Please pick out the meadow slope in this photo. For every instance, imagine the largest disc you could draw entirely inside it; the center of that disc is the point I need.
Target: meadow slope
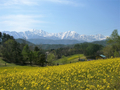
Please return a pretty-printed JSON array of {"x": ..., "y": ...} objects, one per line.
[
  {"x": 89, "y": 75},
  {"x": 72, "y": 59},
  {"x": 2, "y": 63}
]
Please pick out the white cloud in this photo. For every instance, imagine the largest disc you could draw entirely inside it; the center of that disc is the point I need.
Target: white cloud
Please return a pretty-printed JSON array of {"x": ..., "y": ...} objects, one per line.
[
  {"x": 18, "y": 2},
  {"x": 64, "y": 2},
  {"x": 19, "y": 22},
  {"x": 36, "y": 2}
]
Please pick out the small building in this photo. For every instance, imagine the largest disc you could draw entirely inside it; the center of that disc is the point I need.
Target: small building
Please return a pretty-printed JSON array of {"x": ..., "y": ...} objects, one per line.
[
  {"x": 100, "y": 56},
  {"x": 81, "y": 59}
]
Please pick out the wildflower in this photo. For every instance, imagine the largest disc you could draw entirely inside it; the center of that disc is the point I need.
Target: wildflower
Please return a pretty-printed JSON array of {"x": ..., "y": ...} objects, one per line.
[
  {"x": 24, "y": 88},
  {"x": 48, "y": 88},
  {"x": 2, "y": 89}
]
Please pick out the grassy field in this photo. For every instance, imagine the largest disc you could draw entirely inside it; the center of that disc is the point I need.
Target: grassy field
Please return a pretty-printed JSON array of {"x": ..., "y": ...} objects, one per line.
[
  {"x": 2, "y": 63},
  {"x": 89, "y": 75},
  {"x": 72, "y": 59}
]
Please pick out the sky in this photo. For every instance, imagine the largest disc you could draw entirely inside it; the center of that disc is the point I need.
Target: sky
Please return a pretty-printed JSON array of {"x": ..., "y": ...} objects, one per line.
[{"x": 88, "y": 17}]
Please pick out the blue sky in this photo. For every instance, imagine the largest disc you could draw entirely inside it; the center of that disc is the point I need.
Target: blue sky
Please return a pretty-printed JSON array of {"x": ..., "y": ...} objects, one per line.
[{"x": 87, "y": 17}]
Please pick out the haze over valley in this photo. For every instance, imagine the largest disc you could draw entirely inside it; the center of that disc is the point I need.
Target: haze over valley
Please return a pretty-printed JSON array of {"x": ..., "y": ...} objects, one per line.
[{"x": 42, "y": 37}]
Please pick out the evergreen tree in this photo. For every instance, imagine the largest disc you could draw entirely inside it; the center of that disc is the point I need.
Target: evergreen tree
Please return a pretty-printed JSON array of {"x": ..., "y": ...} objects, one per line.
[
  {"x": 0, "y": 37},
  {"x": 36, "y": 48},
  {"x": 11, "y": 51},
  {"x": 42, "y": 60},
  {"x": 26, "y": 53},
  {"x": 36, "y": 55},
  {"x": 4, "y": 37},
  {"x": 31, "y": 57}
]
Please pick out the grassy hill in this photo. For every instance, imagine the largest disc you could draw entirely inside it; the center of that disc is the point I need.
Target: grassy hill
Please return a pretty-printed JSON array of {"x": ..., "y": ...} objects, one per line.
[
  {"x": 72, "y": 59},
  {"x": 2, "y": 63},
  {"x": 89, "y": 75}
]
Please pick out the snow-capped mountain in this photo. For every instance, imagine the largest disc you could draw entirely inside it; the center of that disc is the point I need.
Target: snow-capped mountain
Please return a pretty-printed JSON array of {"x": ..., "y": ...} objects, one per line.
[{"x": 40, "y": 34}]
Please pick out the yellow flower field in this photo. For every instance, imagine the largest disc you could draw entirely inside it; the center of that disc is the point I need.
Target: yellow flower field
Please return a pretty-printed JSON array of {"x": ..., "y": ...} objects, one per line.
[{"x": 89, "y": 75}]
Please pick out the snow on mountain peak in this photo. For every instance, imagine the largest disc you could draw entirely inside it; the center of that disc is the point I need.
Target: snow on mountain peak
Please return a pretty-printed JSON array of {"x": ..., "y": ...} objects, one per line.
[{"x": 40, "y": 34}]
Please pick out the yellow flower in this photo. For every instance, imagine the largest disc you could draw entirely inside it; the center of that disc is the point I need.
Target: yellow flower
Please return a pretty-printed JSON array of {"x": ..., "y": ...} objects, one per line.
[
  {"x": 108, "y": 86},
  {"x": 24, "y": 88},
  {"x": 93, "y": 75},
  {"x": 2, "y": 89},
  {"x": 104, "y": 80},
  {"x": 48, "y": 88}
]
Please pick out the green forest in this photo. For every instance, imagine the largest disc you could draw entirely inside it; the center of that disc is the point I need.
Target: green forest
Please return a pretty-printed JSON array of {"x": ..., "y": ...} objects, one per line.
[{"x": 24, "y": 54}]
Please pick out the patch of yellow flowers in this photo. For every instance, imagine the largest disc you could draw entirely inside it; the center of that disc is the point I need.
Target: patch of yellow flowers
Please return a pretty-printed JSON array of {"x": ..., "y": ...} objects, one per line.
[{"x": 89, "y": 75}]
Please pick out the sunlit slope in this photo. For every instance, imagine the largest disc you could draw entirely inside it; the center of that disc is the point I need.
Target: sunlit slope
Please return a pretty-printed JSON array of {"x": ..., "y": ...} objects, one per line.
[
  {"x": 72, "y": 58},
  {"x": 90, "y": 75},
  {"x": 4, "y": 64}
]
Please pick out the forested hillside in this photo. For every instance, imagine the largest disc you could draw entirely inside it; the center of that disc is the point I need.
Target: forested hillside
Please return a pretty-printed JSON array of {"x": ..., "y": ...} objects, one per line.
[
  {"x": 25, "y": 53},
  {"x": 20, "y": 53}
]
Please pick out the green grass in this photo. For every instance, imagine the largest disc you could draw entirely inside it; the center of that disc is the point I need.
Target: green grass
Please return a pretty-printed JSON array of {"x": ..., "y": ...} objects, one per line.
[
  {"x": 2, "y": 63},
  {"x": 72, "y": 59}
]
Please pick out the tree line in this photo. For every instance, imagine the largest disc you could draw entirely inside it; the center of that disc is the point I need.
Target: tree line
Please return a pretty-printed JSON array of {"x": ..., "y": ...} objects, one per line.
[
  {"x": 90, "y": 50},
  {"x": 22, "y": 54},
  {"x": 113, "y": 45}
]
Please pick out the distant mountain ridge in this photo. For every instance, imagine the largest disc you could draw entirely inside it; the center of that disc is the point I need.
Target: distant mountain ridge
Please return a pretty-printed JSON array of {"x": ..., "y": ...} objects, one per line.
[
  {"x": 49, "y": 41},
  {"x": 69, "y": 35},
  {"x": 56, "y": 46}
]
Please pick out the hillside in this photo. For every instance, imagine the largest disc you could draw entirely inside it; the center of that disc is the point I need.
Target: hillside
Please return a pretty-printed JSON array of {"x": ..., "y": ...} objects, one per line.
[
  {"x": 50, "y": 41},
  {"x": 90, "y": 75},
  {"x": 70, "y": 59},
  {"x": 4, "y": 64},
  {"x": 102, "y": 42},
  {"x": 56, "y": 42},
  {"x": 69, "y": 43},
  {"x": 24, "y": 41}
]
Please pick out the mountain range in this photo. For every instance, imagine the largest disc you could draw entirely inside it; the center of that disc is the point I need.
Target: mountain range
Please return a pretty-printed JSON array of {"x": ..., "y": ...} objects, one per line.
[{"x": 42, "y": 37}]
